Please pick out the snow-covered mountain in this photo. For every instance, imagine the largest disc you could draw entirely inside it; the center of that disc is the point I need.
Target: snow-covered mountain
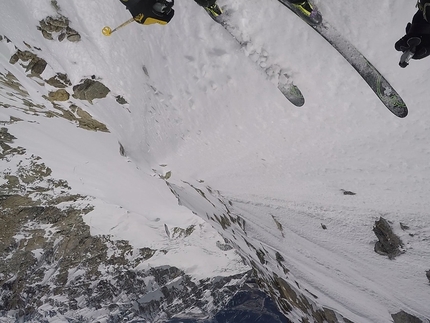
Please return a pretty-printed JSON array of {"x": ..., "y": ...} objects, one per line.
[{"x": 150, "y": 175}]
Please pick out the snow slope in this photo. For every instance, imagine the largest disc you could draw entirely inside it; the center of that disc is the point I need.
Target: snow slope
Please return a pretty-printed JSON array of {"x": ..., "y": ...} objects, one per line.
[{"x": 199, "y": 106}]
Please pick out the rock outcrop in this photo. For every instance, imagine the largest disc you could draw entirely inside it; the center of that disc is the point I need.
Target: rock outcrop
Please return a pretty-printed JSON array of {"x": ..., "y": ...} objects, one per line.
[
  {"x": 388, "y": 243},
  {"x": 89, "y": 90},
  {"x": 52, "y": 267}
]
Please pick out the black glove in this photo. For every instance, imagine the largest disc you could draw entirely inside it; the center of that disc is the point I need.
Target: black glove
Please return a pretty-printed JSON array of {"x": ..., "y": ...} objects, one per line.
[{"x": 417, "y": 38}]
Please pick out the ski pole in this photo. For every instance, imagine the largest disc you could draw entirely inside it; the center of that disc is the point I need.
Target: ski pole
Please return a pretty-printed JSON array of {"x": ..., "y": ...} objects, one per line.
[
  {"x": 406, "y": 57},
  {"x": 107, "y": 31},
  {"x": 408, "y": 54}
]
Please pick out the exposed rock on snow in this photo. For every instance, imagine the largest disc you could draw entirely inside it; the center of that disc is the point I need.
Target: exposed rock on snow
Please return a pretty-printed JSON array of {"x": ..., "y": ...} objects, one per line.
[
  {"x": 89, "y": 90},
  {"x": 403, "y": 317},
  {"x": 121, "y": 99},
  {"x": 388, "y": 243},
  {"x": 60, "y": 81},
  {"x": 285, "y": 291},
  {"x": 59, "y": 95},
  {"x": 59, "y": 25},
  {"x": 345, "y": 192},
  {"x": 52, "y": 267},
  {"x": 35, "y": 64}
]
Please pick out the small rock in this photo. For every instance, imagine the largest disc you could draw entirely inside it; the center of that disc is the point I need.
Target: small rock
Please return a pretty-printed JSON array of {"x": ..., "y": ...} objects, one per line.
[
  {"x": 14, "y": 58},
  {"x": 59, "y": 95},
  {"x": 61, "y": 37},
  {"x": 223, "y": 246},
  {"x": 74, "y": 38},
  {"x": 388, "y": 243},
  {"x": 5, "y": 136},
  {"x": 71, "y": 31},
  {"x": 403, "y": 317},
  {"x": 403, "y": 226},
  {"x": 345, "y": 192},
  {"x": 90, "y": 90},
  {"x": 121, "y": 150},
  {"x": 59, "y": 81},
  {"x": 120, "y": 99},
  {"x": 47, "y": 35},
  {"x": 25, "y": 55},
  {"x": 45, "y": 26},
  {"x": 428, "y": 275},
  {"x": 323, "y": 226},
  {"x": 86, "y": 121},
  {"x": 38, "y": 66},
  {"x": 61, "y": 22}
]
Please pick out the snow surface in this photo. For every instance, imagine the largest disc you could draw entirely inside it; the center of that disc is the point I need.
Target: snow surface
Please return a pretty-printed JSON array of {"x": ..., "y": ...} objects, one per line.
[{"x": 200, "y": 109}]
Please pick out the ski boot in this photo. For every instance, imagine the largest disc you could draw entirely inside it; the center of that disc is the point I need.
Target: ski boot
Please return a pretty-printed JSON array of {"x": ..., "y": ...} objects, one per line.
[
  {"x": 163, "y": 7},
  {"x": 308, "y": 12},
  {"x": 214, "y": 11}
]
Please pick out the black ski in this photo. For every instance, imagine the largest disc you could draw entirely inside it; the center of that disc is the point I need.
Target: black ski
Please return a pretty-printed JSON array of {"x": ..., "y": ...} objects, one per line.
[{"x": 385, "y": 92}]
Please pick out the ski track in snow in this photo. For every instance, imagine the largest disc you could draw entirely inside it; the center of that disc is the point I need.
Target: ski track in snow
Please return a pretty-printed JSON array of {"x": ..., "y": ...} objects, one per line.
[{"x": 197, "y": 105}]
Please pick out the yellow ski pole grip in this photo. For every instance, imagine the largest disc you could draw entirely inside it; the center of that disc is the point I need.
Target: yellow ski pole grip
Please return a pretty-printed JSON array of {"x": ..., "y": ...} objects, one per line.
[{"x": 107, "y": 31}]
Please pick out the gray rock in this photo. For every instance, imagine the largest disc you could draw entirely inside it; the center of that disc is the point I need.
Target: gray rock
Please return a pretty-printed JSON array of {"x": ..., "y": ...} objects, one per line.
[
  {"x": 90, "y": 90},
  {"x": 47, "y": 35},
  {"x": 61, "y": 21},
  {"x": 45, "y": 26},
  {"x": 223, "y": 246},
  {"x": 345, "y": 192},
  {"x": 60, "y": 24},
  {"x": 388, "y": 243},
  {"x": 72, "y": 35},
  {"x": 59, "y": 95},
  {"x": 59, "y": 81},
  {"x": 38, "y": 65},
  {"x": 5, "y": 136},
  {"x": 74, "y": 38},
  {"x": 403, "y": 317},
  {"x": 61, "y": 36},
  {"x": 25, "y": 55},
  {"x": 13, "y": 59},
  {"x": 121, "y": 99},
  {"x": 70, "y": 31}
]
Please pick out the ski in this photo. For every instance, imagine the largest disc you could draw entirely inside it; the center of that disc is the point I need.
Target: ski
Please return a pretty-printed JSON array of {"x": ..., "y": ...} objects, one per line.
[
  {"x": 274, "y": 73},
  {"x": 380, "y": 86}
]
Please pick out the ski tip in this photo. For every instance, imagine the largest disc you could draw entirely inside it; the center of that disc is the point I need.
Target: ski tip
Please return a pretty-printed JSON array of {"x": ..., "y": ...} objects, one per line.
[
  {"x": 403, "y": 114},
  {"x": 395, "y": 104},
  {"x": 293, "y": 94},
  {"x": 398, "y": 111},
  {"x": 298, "y": 103}
]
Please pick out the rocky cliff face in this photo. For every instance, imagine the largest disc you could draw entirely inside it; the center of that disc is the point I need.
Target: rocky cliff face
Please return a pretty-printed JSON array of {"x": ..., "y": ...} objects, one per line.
[
  {"x": 52, "y": 268},
  {"x": 271, "y": 269}
]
